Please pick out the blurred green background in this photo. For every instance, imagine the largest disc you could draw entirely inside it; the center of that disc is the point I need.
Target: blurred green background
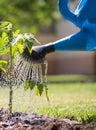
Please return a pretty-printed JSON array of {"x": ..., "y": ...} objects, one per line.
[
  {"x": 42, "y": 18},
  {"x": 29, "y": 15}
]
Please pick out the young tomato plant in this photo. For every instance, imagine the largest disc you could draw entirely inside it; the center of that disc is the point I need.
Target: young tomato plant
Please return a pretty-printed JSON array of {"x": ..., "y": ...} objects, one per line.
[{"x": 12, "y": 41}]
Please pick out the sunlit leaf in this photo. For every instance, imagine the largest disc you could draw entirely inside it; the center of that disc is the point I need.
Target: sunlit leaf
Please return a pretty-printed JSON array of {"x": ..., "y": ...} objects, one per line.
[
  {"x": 29, "y": 84},
  {"x": 29, "y": 41},
  {"x": 3, "y": 41},
  {"x": 5, "y": 26},
  {"x": 39, "y": 89},
  {"x": 4, "y": 35},
  {"x": 46, "y": 91},
  {"x": 3, "y": 64},
  {"x": 29, "y": 36},
  {"x": 29, "y": 45},
  {"x": 4, "y": 51},
  {"x": 20, "y": 48},
  {"x": 16, "y": 39},
  {"x": 14, "y": 50},
  {"x": 17, "y": 31}
]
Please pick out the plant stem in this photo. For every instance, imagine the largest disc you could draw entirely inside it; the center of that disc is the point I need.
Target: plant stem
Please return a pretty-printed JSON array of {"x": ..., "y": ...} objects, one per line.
[{"x": 10, "y": 82}]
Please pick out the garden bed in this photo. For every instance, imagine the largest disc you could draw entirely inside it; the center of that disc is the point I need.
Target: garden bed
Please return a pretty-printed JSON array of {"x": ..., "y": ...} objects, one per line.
[{"x": 32, "y": 121}]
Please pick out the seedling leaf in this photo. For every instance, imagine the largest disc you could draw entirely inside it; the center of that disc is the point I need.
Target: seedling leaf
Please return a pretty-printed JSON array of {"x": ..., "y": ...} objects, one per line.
[
  {"x": 39, "y": 89},
  {"x": 46, "y": 91},
  {"x": 3, "y": 64},
  {"x": 29, "y": 84}
]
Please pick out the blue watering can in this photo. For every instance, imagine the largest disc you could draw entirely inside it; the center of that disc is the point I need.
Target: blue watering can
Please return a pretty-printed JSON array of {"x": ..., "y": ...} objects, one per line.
[{"x": 84, "y": 18}]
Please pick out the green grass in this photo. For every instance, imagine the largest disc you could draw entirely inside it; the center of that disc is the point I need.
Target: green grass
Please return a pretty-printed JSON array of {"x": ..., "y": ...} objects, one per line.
[
  {"x": 74, "y": 100},
  {"x": 71, "y": 78},
  {"x": 83, "y": 112}
]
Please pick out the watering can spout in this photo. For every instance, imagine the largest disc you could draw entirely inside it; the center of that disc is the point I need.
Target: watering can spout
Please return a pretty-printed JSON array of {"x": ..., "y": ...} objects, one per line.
[{"x": 38, "y": 53}]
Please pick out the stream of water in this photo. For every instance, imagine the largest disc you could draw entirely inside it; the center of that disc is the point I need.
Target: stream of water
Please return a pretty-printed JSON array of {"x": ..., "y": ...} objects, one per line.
[{"x": 23, "y": 71}]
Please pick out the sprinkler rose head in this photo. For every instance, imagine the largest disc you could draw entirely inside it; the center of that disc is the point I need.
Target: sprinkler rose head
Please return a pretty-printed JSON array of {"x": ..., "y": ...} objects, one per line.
[
  {"x": 38, "y": 53},
  {"x": 32, "y": 57}
]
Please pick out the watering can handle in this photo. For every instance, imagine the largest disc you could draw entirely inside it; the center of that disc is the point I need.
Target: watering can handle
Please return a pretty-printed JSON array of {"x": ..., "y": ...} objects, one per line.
[
  {"x": 65, "y": 12},
  {"x": 80, "y": 15}
]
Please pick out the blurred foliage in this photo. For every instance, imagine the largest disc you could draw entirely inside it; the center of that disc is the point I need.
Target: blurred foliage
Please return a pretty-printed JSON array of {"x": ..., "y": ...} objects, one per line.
[{"x": 28, "y": 15}]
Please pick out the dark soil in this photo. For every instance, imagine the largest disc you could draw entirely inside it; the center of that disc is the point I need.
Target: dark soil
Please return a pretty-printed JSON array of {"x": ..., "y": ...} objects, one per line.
[{"x": 32, "y": 121}]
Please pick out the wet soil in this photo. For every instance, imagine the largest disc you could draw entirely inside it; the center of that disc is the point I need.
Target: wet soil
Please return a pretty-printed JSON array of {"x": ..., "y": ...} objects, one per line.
[{"x": 32, "y": 121}]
